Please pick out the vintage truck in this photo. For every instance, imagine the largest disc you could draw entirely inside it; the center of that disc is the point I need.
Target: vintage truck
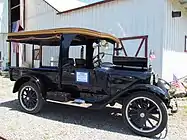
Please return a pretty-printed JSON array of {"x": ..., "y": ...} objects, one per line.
[{"x": 100, "y": 77}]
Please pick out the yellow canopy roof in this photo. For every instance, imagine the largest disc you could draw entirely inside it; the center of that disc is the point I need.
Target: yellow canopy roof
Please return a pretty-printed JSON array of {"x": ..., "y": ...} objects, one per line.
[{"x": 38, "y": 34}]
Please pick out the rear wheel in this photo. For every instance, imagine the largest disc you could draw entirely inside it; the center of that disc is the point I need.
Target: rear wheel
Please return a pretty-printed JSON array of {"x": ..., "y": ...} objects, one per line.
[
  {"x": 30, "y": 98},
  {"x": 145, "y": 114}
]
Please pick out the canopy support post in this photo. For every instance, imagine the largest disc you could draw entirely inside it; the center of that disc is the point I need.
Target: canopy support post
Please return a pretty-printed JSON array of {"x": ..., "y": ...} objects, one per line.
[
  {"x": 40, "y": 55},
  {"x": 32, "y": 55},
  {"x": 10, "y": 52}
]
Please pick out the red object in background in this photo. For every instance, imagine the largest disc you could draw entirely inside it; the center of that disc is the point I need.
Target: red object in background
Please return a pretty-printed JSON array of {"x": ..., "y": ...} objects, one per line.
[
  {"x": 177, "y": 83},
  {"x": 152, "y": 55}
]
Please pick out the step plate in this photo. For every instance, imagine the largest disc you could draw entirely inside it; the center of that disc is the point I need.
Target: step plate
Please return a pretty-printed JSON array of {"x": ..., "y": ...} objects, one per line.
[
  {"x": 83, "y": 105},
  {"x": 72, "y": 103}
]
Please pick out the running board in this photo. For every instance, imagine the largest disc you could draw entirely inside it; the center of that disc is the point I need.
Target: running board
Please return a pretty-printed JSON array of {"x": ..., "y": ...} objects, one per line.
[{"x": 95, "y": 106}]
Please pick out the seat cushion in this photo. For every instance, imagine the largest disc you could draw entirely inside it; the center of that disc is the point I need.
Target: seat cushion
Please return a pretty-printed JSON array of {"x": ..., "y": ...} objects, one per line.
[
  {"x": 80, "y": 62},
  {"x": 71, "y": 61}
]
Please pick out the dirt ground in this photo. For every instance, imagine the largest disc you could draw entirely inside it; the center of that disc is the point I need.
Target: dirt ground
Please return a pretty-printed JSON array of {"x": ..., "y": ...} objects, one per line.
[{"x": 73, "y": 123}]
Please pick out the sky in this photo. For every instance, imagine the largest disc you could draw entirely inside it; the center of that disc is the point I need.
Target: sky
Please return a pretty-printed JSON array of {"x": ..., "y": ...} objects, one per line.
[
  {"x": 70, "y": 4},
  {"x": 90, "y": 1}
]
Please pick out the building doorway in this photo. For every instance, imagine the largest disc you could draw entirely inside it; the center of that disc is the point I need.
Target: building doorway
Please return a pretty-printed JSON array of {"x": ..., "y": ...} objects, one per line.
[{"x": 16, "y": 24}]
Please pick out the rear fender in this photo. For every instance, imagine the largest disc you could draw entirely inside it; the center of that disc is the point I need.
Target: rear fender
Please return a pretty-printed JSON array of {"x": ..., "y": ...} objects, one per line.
[{"x": 25, "y": 79}]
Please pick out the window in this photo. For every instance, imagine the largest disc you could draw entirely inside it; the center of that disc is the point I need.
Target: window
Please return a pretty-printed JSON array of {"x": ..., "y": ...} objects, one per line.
[
  {"x": 50, "y": 55},
  {"x": 15, "y": 10},
  {"x": 89, "y": 52},
  {"x": 106, "y": 51},
  {"x": 77, "y": 52}
]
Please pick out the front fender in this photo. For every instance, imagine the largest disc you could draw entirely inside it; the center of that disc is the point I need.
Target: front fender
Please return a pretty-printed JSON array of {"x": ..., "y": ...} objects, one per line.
[
  {"x": 25, "y": 79},
  {"x": 135, "y": 87},
  {"x": 163, "y": 94},
  {"x": 152, "y": 89}
]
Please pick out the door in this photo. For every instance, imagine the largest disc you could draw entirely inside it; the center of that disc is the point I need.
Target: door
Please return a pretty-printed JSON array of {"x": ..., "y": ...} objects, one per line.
[
  {"x": 81, "y": 78},
  {"x": 86, "y": 80},
  {"x": 81, "y": 71},
  {"x": 75, "y": 73}
]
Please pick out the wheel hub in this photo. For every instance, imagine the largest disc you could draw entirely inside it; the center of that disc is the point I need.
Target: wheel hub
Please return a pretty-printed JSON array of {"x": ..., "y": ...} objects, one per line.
[{"x": 142, "y": 115}]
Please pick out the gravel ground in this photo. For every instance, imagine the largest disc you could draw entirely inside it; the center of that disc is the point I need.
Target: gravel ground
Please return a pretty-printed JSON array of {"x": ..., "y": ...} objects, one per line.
[{"x": 72, "y": 123}]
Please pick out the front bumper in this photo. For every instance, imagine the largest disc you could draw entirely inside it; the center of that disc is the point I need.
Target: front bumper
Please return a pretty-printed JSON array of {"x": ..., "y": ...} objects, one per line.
[{"x": 173, "y": 106}]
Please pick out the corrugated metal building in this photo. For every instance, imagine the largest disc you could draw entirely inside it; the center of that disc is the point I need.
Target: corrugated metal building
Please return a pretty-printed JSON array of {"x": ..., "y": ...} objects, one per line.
[
  {"x": 174, "y": 47},
  {"x": 123, "y": 18},
  {"x": 3, "y": 33}
]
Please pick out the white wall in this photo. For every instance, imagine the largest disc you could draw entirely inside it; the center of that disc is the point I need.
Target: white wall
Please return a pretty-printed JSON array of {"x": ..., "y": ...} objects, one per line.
[
  {"x": 174, "y": 57},
  {"x": 4, "y": 31},
  {"x": 39, "y": 15},
  {"x": 3, "y": 16},
  {"x": 3, "y": 49},
  {"x": 120, "y": 17}
]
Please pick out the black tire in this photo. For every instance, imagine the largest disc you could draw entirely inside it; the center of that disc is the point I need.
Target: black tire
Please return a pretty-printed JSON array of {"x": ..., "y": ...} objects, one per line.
[
  {"x": 137, "y": 118},
  {"x": 35, "y": 97}
]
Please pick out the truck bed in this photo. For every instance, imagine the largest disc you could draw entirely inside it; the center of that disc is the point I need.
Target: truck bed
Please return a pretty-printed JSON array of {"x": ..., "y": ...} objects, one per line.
[{"x": 17, "y": 72}]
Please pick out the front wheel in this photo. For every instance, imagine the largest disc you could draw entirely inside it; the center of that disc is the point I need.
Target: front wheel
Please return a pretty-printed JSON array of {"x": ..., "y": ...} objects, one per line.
[
  {"x": 145, "y": 114},
  {"x": 30, "y": 98}
]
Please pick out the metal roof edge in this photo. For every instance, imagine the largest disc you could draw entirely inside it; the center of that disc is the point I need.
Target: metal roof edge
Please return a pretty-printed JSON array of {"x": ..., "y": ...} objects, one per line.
[
  {"x": 86, "y": 6},
  {"x": 51, "y": 6}
]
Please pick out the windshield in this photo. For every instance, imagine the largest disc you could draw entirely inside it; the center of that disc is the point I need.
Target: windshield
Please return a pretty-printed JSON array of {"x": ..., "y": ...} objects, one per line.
[{"x": 105, "y": 51}]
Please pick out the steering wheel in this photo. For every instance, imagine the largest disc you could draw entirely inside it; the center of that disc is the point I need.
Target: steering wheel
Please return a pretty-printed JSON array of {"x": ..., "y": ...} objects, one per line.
[{"x": 98, "y": 60}]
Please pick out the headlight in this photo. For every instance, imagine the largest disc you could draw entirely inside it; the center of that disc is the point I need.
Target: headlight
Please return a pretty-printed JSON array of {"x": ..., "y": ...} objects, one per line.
[
  {"x": 165, "y": 84},
  {"x": 152, "y": 79},
  {"x": 156, "y": 77}
]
